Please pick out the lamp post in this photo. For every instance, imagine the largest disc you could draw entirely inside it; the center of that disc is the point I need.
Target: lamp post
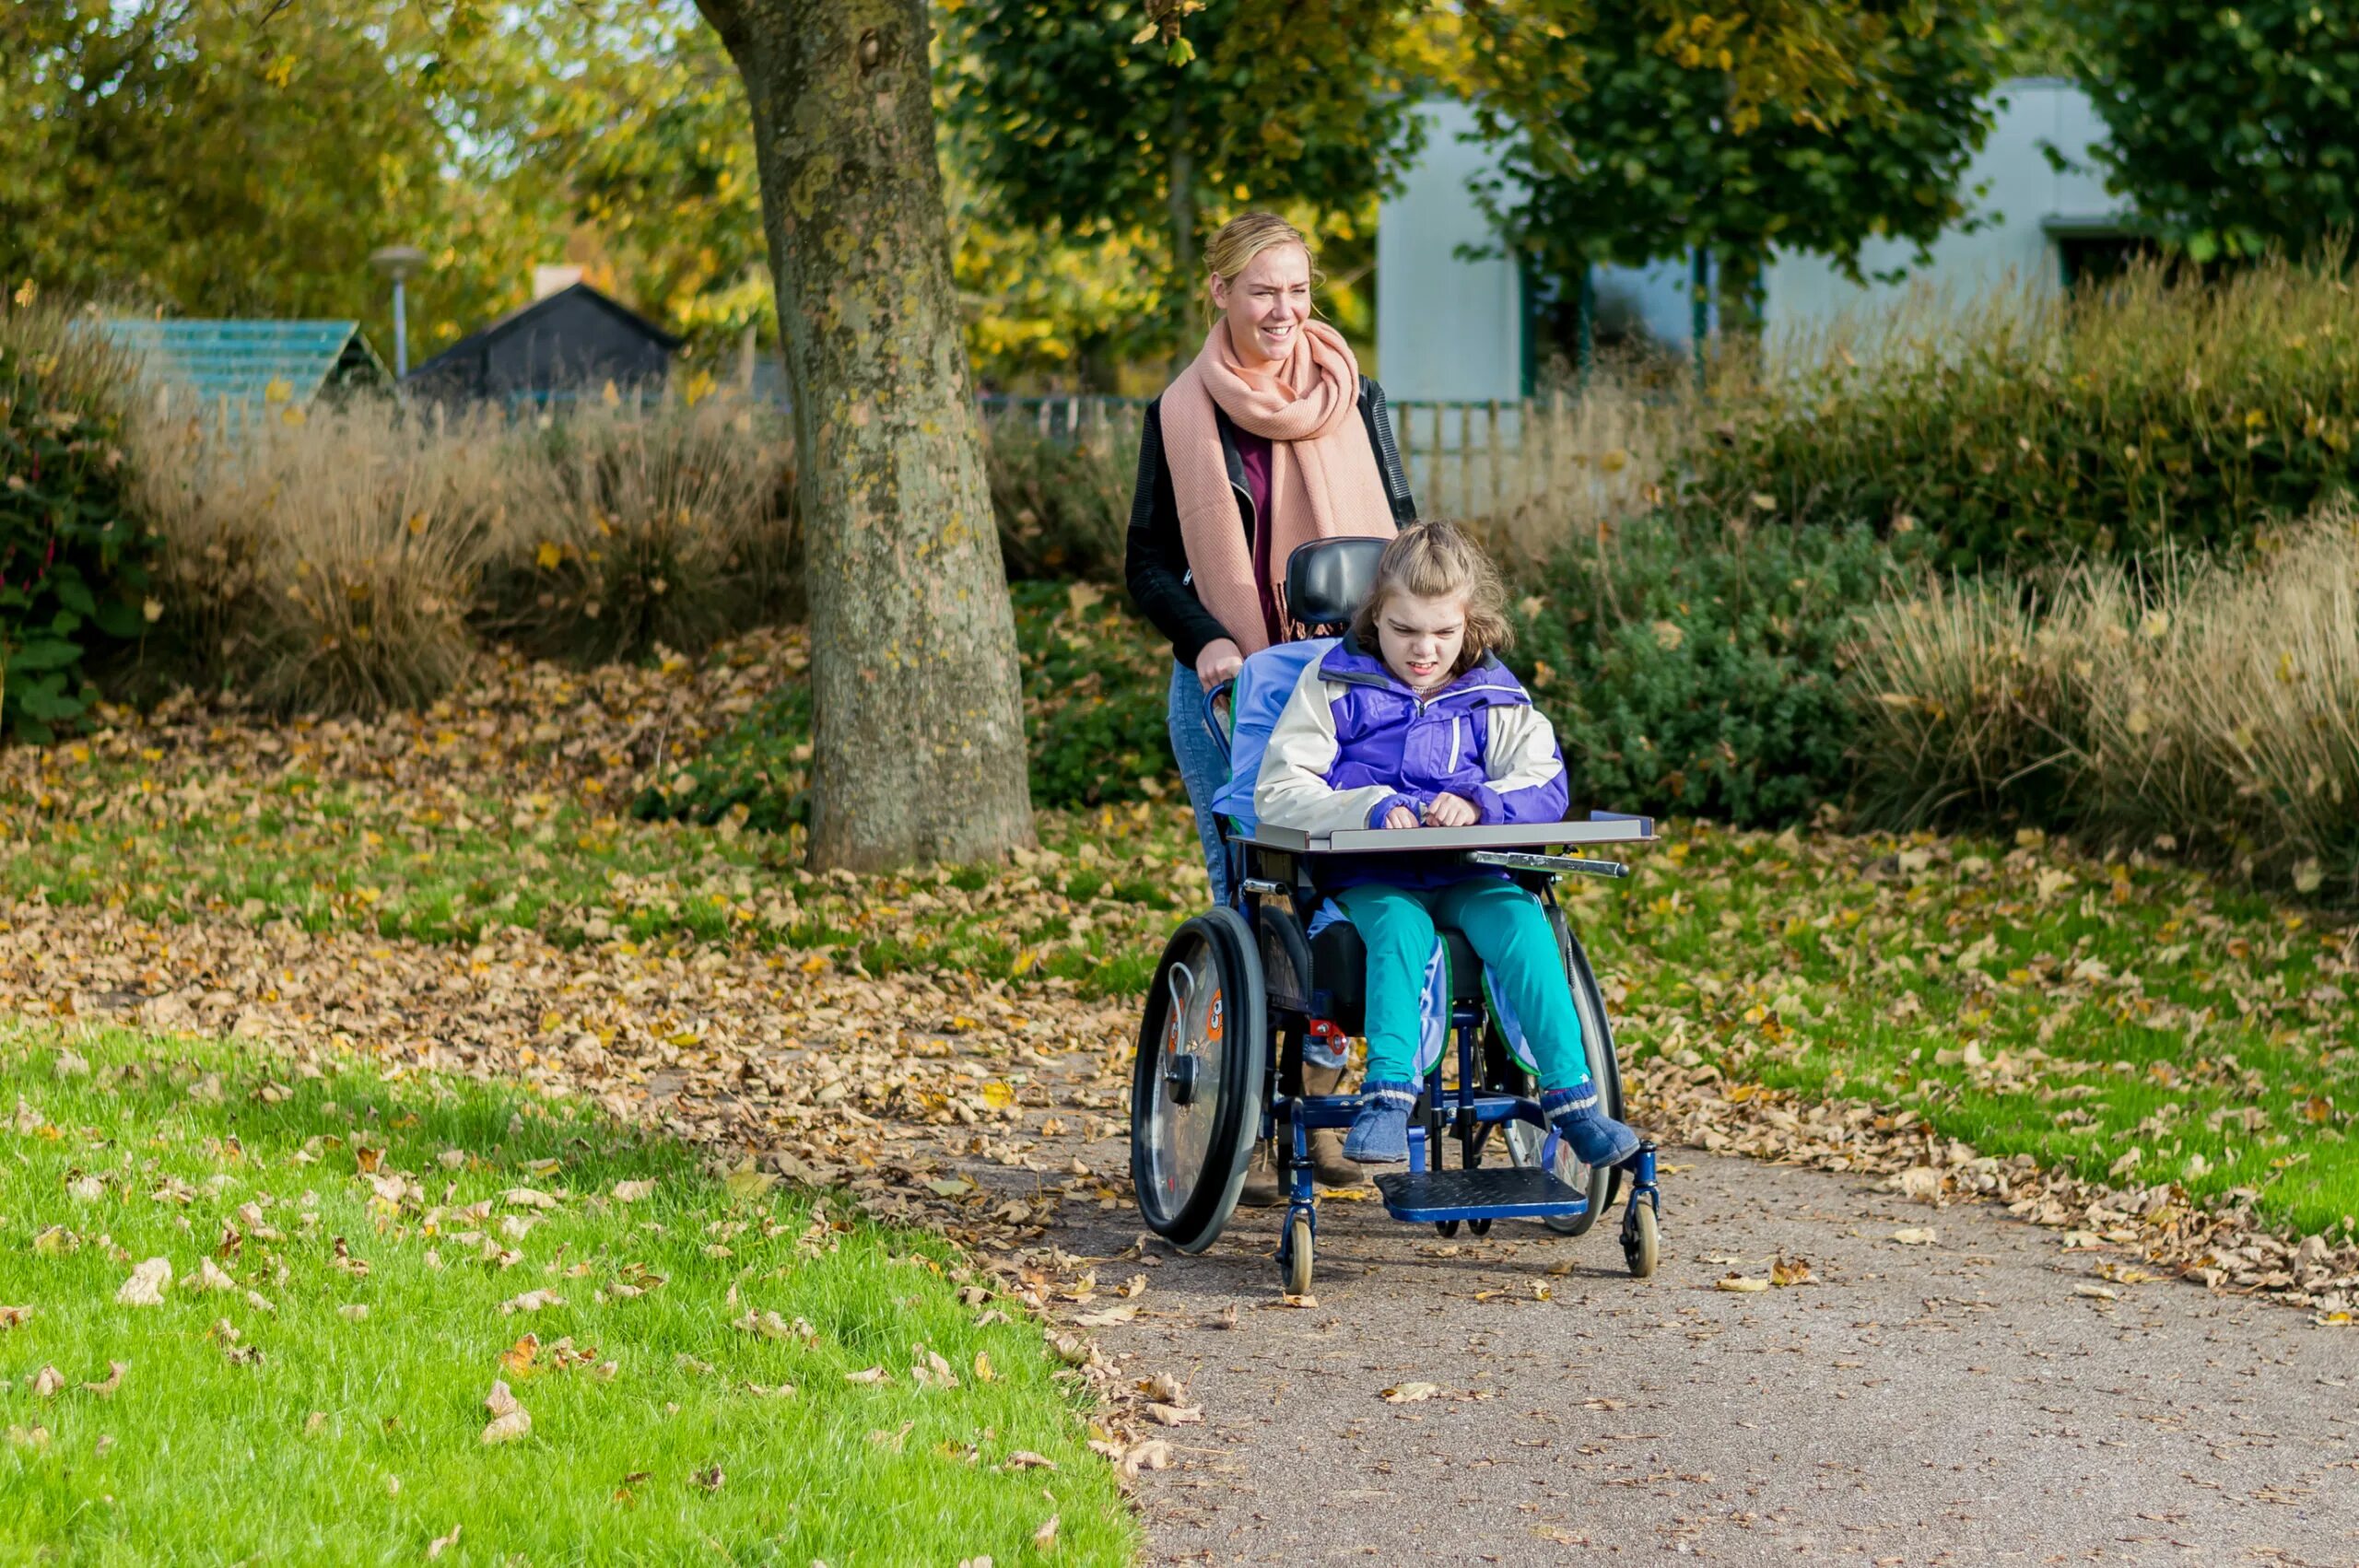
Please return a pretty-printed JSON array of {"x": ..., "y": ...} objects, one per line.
[{"x": 397, "y": 262}]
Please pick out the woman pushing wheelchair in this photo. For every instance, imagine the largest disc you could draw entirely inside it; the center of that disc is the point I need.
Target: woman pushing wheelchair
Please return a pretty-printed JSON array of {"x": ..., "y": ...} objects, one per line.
[
  {"x": 1270, "y": 439},
  {"x": 1370, "y": 807}
]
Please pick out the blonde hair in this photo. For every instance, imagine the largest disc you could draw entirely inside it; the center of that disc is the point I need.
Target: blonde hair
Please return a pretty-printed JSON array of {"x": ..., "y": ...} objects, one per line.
[
  {"x": 1438, "y": 559},
  {"x": 1241, "y": 238}
]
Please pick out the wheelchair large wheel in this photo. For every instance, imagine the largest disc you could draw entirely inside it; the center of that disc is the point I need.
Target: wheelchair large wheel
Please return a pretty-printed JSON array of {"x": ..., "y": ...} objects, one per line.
[
  {"x": 1526, "y": 1142},
  {"x": 1197, "y": 1088}
]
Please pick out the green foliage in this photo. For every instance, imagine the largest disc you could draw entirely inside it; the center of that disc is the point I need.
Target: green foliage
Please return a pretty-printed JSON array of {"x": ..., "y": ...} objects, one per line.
[
  {"x": 1630, "y": 141},
  {"x": 2231, "y": 128},
  {"x": 193, "y": 157},
  {"x": 2160, "y": 409},
  {"x": 1698, "y": 670},
  {"x": 646, "y": 141},
  {"x": 1094, "y": 692},
  {"x": 73, "y": 557},
  {"x": 1082, "y": 130}
]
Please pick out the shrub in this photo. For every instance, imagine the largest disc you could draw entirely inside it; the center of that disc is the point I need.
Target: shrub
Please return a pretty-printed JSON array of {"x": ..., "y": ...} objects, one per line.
[
  {"x": 1063, "y": 507},
  {"x": 2211, "y": 707},
  {"x": 1095, "y": 678},
  {"x": 321, "y": 560},
  {"x": 2160, "y": 408},
  {"x": 74, "y": 557},
  {"x": 625, "y": 529},
  {"x": 1698, "y": 669}
]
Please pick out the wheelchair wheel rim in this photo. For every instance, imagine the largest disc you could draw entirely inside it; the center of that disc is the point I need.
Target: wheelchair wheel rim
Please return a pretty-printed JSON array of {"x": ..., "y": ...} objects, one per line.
[{"x": 1185, "y": 1100}]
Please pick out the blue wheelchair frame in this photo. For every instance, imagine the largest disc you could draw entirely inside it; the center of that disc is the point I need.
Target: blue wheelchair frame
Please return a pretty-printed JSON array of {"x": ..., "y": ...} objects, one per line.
[{"x": 1267, "y": 863}]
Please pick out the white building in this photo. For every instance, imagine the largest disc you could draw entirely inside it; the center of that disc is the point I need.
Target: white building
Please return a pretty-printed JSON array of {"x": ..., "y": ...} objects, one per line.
[{"x": 1451, "y": 330}]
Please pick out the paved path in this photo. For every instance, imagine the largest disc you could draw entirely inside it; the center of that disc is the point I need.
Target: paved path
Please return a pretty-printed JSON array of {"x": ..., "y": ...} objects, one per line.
[{"x": 1950, "y": 1403}]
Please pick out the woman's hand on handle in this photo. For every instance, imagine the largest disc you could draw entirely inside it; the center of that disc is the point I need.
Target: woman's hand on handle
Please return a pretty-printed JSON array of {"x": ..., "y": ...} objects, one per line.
[
  {"x": 1220, "y": 661},
  {"x": 1400, "y": 816}
]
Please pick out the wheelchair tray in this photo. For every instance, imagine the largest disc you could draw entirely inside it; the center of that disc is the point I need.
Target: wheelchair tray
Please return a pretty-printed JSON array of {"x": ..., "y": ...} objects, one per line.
[{"x": 1601, "y": 829}]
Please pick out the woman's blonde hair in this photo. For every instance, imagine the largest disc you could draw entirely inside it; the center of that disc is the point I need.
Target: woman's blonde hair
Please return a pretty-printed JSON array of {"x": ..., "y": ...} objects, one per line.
[
  {"x": 1241, "y": 238},
  {"x": 1436, "y": 559}
]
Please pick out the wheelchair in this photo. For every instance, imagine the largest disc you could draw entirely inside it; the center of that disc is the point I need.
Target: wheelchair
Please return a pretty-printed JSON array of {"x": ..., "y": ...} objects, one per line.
[{"x": 1241, "y": 989}]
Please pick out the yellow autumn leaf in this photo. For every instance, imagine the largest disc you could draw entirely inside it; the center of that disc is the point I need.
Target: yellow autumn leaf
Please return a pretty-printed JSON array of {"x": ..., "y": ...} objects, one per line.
[{"x": 547, "y": 555}]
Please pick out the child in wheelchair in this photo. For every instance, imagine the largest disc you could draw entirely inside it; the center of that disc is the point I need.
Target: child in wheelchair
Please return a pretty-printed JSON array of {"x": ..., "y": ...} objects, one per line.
[{"x": 1410, "y": 721}]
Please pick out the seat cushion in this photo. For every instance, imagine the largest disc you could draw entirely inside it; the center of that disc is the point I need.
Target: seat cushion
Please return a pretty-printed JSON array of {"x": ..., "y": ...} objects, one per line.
[{"x": 1339, "y": 973}]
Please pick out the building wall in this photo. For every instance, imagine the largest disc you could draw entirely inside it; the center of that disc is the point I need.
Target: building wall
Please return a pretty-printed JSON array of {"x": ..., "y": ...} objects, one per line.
[
  {"x": 1449, "y": 329},
  {"x": 2024, "y": 190},
  {"x": 1445, "y": 328}
]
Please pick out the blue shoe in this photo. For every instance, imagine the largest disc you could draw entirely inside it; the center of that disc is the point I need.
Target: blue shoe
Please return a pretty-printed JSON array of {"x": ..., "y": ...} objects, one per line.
[
  {"x": 1596, "y": 1140},
  {"x": 1379, "y": 1134}
]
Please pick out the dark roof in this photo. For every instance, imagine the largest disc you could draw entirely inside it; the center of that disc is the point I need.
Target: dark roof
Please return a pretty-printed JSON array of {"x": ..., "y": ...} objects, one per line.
[
  {"x": 243, "y": 362},
  {"x": 476, "y": 342}
]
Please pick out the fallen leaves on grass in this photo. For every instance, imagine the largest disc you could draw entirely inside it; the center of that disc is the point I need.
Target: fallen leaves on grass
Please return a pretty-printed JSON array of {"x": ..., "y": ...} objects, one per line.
[
  {"x": 147, "y": 1283},
  {"x": 508, "y": 1421}
]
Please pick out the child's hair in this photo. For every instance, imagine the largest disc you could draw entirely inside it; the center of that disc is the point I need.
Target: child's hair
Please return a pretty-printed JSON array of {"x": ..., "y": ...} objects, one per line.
[
  {"x": 1434, "y": 560},
  {"x": 1232, "y": 248}
]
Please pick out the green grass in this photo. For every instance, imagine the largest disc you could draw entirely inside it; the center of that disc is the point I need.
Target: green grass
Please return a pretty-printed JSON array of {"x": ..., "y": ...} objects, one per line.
[
  {"x": 304, "y": 1431},
  {"x": 207, "y": 840},
  {"x": 2126, "y": 1020}
]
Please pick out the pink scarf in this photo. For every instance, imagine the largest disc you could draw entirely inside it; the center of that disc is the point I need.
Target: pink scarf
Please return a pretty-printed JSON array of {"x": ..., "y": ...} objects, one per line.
[{"x": 1324, "y": 481}]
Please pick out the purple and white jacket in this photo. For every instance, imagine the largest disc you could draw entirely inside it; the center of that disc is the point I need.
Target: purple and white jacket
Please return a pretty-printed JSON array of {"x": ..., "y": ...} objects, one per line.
[{"x": 1354, "y": 742}]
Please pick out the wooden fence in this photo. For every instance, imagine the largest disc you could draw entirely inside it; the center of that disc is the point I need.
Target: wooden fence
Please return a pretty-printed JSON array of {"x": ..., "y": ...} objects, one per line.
[{"x": 1549, "y": 464}]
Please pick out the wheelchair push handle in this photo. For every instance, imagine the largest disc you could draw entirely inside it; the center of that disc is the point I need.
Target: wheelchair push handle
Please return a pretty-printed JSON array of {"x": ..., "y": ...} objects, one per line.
[{"x": 1220, "y": 711}]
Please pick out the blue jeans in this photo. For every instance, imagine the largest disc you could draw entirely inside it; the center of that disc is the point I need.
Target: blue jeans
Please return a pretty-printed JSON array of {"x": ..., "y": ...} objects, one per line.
[{"x": 1203, "y": 768}]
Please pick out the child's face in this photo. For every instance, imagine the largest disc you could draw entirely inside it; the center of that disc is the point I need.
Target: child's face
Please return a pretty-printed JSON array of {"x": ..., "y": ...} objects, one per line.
[{"x": 1420, "y": 638}]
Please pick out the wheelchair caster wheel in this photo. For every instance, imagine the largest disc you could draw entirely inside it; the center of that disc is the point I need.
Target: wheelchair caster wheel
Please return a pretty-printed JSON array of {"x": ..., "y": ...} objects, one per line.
[
  {"x": 1641, "y": 1241},
  {"x": 1446, "y": 1227},
  {"x": 1478, "y": 1227},
  {"x": 1298, "y": 1259}
]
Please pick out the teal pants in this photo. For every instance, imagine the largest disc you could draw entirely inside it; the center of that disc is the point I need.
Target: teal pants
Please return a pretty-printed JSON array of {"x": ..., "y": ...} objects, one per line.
[{"x": 1509, "y": 930}]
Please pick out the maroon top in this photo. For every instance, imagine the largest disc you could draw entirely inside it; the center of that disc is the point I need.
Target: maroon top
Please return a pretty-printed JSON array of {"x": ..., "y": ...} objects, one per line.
[{"x": 1253, "y": 453}]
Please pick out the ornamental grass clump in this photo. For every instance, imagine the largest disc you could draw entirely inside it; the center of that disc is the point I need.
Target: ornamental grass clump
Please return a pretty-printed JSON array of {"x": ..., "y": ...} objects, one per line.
[
  {"x": 2185, "y": 702},
  {"x": 2159, "y": 409},
  {"x": 322, "y": 559},
  {"x": 635, "y": 528},
  {"x": 1063, "y": 503}
]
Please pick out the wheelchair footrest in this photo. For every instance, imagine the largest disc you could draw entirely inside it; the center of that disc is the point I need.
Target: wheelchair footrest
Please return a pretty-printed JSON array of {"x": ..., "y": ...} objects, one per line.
[{"x": 1498, "y": 1192}]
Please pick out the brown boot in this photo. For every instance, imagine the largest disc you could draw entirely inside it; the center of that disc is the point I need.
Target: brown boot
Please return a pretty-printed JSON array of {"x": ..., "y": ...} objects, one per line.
[
  {"x": 1327, "y": 1166},
  {"x": 1261, "y": 1189}
]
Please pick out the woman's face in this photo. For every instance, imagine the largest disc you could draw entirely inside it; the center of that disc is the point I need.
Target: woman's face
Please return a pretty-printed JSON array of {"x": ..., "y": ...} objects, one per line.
[
  {"x": 1267, "y": 303},
  {"x": 1420, "y": 638}
]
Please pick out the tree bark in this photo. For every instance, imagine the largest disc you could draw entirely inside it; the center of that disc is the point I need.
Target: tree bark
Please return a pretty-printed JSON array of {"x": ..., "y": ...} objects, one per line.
[{"x": 918, "y": 743}]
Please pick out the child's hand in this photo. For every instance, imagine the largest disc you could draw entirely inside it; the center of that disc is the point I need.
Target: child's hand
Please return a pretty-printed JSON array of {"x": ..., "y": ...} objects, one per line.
[
  {"x": 1400, "y": 816},
  {"x": 1450, "y": 811}
]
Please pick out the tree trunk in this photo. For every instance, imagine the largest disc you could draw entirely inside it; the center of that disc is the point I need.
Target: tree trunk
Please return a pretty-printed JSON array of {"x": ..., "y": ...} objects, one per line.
[{"x": 918, "y": 743}]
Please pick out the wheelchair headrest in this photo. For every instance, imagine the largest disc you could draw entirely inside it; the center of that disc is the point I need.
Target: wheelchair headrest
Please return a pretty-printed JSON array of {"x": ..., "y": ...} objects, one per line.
[{"x": 1326, "y": 580}]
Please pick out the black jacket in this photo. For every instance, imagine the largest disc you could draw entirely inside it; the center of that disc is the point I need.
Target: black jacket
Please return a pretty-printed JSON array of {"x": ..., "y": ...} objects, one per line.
[{"x": 1155, "y": 562}]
